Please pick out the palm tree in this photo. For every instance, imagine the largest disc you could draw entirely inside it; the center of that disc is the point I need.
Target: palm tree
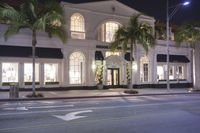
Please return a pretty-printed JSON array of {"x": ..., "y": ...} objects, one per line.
[
  {"x": 135, "y": 33},
  {"x": 47, "y": 15},
  {"x": 188, "y": 33}
]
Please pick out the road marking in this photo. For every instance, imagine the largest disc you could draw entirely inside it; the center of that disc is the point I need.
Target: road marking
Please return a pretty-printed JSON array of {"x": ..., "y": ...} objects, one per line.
[
  {"x": 72, "y": 115},
  {"x": 100, "y": 108},
  {"x": 39, "y": 107}
]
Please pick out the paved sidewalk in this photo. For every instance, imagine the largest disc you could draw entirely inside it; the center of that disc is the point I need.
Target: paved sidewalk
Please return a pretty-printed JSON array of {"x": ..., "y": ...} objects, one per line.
[{"x": 95, "y": 93}]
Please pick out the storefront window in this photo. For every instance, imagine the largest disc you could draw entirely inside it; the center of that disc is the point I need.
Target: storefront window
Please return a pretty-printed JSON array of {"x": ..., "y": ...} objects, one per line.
[
  {"x": 76, "y": 65},
  {"x": 9, "y": 72},
  {"x": 175, "y": 72},
  {"x": 28, "y": 72},
  {"x": 50, "y": 72},
  {"x": 160, "y": 72},
  {"x": 144, "y": 69}
]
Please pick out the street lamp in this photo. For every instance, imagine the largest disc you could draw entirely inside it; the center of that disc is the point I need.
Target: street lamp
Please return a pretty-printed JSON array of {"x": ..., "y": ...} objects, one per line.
[{"x": 169, "y": 16}]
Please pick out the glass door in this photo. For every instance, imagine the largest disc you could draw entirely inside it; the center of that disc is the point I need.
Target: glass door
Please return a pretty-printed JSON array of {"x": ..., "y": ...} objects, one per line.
[{"x": 113, "y": 76}]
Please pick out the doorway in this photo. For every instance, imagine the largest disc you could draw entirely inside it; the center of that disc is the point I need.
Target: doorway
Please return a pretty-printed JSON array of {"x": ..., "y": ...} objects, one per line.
[{"x": 113, "y": 76}]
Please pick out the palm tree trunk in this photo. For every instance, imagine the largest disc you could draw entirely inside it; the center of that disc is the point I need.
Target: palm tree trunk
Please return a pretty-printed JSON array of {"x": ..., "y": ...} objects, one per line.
[
  {"x": 34, "y": 42},
  {"x": 131, "y": 70}
]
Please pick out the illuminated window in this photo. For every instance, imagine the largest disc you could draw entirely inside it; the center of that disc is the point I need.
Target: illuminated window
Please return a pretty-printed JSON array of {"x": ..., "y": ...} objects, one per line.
[
  {"x": 50, "y": 72},
  {"x": 28, "y": 72},
  {"x": 108, "y": 53},
  {"x": 77, "y": 26},
  {"x": 144, "y": 69},
  {"x": 180, "y": 72},
  {"x": 160, "y": 73},
  {"x": 108, "y": 30},
  {"x": 172, "y": 72},
  {"x": 76, "y": 68},
  {"x": 9, "y": 72}
]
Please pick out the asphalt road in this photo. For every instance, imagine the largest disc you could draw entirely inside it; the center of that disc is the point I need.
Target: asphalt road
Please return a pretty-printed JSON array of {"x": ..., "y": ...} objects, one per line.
[{"x": 144, "y": 114}]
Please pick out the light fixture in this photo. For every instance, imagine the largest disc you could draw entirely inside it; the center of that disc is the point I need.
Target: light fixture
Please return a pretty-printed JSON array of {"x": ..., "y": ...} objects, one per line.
[{"x": 186, "y": 3}]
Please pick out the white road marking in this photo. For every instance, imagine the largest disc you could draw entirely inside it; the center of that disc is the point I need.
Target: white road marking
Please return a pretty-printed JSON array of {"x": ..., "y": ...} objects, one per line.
[
  {"x": 39, "y": 107},
  {"x": 72, "y": 115},
  {"x": 99, "y": 108}
]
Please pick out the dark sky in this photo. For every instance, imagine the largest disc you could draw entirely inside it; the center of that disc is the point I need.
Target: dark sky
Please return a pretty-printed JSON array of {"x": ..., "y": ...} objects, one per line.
[{"x": 157, "y": 8}]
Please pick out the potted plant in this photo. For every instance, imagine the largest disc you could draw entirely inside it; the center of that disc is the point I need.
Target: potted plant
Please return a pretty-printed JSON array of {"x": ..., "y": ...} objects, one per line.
[{"x": 99, "y": 76}]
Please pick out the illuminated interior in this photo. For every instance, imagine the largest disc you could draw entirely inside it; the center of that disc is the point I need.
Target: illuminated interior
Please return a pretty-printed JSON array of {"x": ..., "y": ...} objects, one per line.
[
  {"x": 108, "y": 30},
  {"x": 77, "y": 26},
  {"x": 108, "y": 53},
  {"x": 76, "y": 71},
  {"x": 50, "y": 72},
  {"x": 160, "y": 72},
  {"x": 144, "y": 69},
  {"x": 28, "y": 70},
  {"x": 9, "y": 72}
]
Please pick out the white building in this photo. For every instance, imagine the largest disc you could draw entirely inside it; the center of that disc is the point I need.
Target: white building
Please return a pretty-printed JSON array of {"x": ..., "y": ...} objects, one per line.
[{"x": 90, "y": 28}]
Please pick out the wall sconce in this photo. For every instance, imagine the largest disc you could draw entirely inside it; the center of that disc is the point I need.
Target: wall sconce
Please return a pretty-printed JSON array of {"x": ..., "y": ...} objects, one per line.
[
  {"x": 134, "y": 66},
  {"x": 93, "y": 66}
]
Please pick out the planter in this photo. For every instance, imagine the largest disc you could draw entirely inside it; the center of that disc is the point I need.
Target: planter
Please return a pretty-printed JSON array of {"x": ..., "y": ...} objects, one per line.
[
  {"x": 51, "y": 83},
  {"x": 100, "y": 86},
  {"x": 30, "y": 83},
  {"x": 129, "y": 86}
]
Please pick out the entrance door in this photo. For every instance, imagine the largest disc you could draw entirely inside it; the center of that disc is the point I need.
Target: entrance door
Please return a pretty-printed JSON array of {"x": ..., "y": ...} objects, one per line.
[{"x": 113, "y": 76}]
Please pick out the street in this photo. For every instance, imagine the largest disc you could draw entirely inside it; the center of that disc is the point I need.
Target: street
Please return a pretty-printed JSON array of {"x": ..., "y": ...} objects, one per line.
[{"x": 137, "y": 114}]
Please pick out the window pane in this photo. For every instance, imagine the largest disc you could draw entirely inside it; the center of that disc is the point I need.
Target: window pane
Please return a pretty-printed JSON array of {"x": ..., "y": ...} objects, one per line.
[
  {"x": 108, "y": 31},
  {"x": 9, "y": 72},
  {"x": 160, "y": 72},
  {"x": 108, "y": 53},
  {"x": 76, "y": 72},
  {"x": 77, "y": 26},
  {"x": 146, "y": 73},
  {"x": 50, "y": 72},
  {"x": 171, "y": 72},
  {"x": 28, "y": 69}
]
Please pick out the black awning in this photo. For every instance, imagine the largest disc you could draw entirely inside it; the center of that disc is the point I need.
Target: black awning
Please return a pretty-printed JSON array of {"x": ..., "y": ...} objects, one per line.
[
  {"x": 127, "y": 57},
  {"x": 19, "y": 51},
  {"x": 99, "y": 55},
  {"x": 172, "y": 58}
]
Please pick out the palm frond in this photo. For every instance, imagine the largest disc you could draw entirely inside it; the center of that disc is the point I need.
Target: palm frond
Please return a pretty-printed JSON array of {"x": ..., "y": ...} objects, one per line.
[
  {"x": 187, "y": 33},
  {"x": 57, "y": 31},
  {"x": 10, "y": 13},
  {"x": 12, "y": 30}
]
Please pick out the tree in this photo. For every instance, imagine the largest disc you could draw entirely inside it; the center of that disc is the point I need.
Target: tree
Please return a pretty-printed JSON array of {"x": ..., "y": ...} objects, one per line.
[
  {"x": 188, "y": 33},
  {"x": 135, "y": 33},
  {"x": 47, "y": 15}
]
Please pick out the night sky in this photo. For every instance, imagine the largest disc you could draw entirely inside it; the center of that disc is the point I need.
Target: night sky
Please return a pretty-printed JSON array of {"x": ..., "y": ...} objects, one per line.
[{"x": 157, "y": 8}]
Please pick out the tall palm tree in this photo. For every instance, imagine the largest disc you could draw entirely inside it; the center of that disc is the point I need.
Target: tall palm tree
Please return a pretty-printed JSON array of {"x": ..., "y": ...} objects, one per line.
[
  {"x": 47, "y": 15},
  {"x": 188, "y": 33},
  {"x": 135, "y": 33}
]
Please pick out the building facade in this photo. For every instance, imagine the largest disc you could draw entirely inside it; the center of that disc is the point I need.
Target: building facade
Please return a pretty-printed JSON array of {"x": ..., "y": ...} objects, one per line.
[{"x": 91, "y": 27}]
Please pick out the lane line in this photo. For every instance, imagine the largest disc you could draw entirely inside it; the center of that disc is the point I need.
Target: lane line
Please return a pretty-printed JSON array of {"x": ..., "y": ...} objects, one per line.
[{"x": 98, "y": 108}]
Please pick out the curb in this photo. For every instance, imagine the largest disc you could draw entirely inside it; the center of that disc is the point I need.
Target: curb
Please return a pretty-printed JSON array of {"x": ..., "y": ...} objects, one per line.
[{"x": 90, "y": 97}]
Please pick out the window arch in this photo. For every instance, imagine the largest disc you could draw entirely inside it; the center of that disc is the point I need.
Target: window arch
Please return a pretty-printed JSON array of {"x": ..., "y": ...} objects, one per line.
[
  {"x": 108, "y": 30},
  {"x": 77, "y": 26},
  {"x": 76, "y": 68}
]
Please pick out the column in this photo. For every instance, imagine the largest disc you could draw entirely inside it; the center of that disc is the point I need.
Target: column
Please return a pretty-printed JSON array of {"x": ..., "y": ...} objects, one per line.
[
  {"x": 41, "y": 78},
  {"x": 21, "y": 74}
]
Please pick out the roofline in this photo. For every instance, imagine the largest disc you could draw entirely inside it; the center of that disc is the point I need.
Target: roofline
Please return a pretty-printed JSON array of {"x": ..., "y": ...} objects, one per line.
[{"x": 143, "y": 16}]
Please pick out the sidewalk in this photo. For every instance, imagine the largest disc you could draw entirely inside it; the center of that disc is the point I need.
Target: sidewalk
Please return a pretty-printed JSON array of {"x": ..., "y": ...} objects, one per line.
[{"x": 72, "y": 94}]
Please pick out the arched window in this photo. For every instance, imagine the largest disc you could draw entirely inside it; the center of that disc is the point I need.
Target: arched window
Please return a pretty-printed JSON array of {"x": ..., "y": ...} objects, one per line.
[
  {"x": 77, "y": 26},
  {"x": 144, "y": 69},
  {"x": 76, "y": 68},
  {"x": 108, "y": 30}
]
